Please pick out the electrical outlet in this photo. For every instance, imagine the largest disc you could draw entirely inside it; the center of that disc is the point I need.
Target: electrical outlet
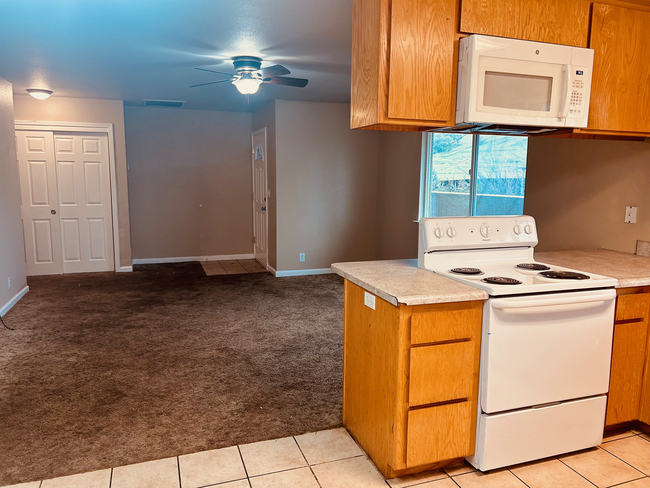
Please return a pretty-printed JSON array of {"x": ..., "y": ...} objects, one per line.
[
  {"x": 302, "y": 257},
  {"x": 369, "y": 300},
  {"x": 630, "y": 215},
  {"x": 9, "y": 283}
]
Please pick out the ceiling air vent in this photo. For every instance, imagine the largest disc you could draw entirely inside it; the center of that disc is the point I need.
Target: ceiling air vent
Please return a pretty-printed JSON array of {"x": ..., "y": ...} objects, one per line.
[{"x": 163, "y": 103}]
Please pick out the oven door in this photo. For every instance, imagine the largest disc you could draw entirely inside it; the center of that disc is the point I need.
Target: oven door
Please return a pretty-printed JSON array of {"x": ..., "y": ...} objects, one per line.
[{"x": 545, "y": 348}]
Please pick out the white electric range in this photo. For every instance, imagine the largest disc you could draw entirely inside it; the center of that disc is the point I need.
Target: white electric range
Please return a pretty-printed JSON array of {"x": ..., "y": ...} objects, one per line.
[{"x": 546, "y": 338}]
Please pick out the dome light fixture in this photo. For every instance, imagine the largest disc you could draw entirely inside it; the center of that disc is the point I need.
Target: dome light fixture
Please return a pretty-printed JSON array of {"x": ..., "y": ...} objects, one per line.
[
  {"x": 248, "y": 83},
  {"x": 39, "y": 93}
]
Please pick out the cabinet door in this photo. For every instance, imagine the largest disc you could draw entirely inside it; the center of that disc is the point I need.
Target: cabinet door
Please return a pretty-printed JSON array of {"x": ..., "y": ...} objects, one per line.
[
  {"x": 628, "y": 358},
  {"x": 620, "y": 90},
  {"x": 422, "y": 60},
  {"x": 554, "y": 21}
]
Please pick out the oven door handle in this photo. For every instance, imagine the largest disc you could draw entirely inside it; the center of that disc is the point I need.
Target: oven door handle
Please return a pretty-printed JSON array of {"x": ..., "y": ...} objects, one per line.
[{"x": 506, "y": 304}]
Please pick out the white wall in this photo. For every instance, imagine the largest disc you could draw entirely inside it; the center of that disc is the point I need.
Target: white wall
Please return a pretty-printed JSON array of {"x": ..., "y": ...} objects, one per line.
[
  {"x": 577, "y": 191},
  {"x": 190, "y": 183},
  {"x": 326, "y": 186},
  {"x": 12, "y": 250}
]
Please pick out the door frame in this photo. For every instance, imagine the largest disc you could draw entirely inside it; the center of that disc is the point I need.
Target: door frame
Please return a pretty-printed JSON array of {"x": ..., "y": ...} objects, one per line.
[
  {"x": 266, "y": 186},
  {"x": 98, "y": 127}
]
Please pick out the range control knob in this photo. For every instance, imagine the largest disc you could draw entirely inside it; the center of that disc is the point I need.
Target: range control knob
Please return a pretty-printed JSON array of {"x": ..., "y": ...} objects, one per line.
[
  {"x": 438, "y": 232},
  {"x": 516, "y": 229},
  {"x": 451, "y": 232},
  {"x": 486, "y": 231},
  {"x": 528, "y": 229}
]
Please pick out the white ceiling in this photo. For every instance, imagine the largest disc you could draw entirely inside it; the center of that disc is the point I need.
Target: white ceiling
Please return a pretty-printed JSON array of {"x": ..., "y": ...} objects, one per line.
[{"x": 135, "y": 49}]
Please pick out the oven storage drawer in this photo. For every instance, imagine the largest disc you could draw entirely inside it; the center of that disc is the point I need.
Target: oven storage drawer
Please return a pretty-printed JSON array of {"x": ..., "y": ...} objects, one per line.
[
  {"x": 448, "y": 325},
  {"x": 441, "y": 373},
  {"x": 439, "y": 433},
  {"x": 536, "y": 433}
]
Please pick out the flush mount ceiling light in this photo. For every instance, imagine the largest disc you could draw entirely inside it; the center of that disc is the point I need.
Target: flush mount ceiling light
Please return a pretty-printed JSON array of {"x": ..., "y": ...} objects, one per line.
[
  {"x": 39, "y": 94},
  {"x": 248, "y": 83},
  {"x": 250, "y": 75}
]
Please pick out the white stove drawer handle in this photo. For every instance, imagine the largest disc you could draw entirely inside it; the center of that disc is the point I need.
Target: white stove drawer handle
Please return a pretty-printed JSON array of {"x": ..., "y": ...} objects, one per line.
[{"x": 505, "y": 304}]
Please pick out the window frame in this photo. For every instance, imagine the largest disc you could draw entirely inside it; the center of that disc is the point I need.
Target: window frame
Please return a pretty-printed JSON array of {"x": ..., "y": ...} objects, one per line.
[{"x": 427, "y": 142}]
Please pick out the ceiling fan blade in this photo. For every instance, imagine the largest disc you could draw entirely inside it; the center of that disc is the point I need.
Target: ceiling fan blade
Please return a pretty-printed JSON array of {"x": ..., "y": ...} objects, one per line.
[
  {"x": 211, "y": 83},
  {"x": 276, "y": 70},
  {"x": 297, "y": 82},
  {"x": 213, "y": 71}
]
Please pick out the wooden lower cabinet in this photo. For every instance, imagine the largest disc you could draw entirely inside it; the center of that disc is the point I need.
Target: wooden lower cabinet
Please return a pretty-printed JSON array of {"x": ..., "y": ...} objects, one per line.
[
  {"x": 630, "y": 372},
  {"x": 410, "y": 381}
]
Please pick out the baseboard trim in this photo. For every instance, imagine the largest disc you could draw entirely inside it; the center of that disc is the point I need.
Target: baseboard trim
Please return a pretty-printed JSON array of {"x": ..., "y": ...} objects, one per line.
[
  {"x": 13, "y": 301},
  {"x": 303, "y": 272},
  {"x": 124, "y": 269},
  {"x": 186, "y": 259},
  {"x": 272, "y": 270}
]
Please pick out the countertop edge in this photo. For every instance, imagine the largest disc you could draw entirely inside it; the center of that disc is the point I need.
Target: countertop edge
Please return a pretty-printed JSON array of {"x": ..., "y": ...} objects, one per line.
[{"x": 467, "y": 296}]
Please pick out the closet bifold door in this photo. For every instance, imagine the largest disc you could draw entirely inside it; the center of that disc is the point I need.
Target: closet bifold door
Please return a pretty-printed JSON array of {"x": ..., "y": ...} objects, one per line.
[{"x": 40, "y": 205}]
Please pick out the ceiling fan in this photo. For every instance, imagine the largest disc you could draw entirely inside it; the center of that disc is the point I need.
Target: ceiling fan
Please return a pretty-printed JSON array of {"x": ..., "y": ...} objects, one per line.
[{"x": 250, "y": 75}]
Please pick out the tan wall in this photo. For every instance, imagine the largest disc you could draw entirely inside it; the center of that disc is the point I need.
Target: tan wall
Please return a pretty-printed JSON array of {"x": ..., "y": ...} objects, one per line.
[
  {"x": 265, "y": 117},
  {"x": 12, "y": 250},
  {"x": 326, "y": 186},
  {"x": 58, "y": 109},
  {"x": 577, "y": 191},
  {"x": 190, "y": 182},
  {"x": 398, "y": 194}
]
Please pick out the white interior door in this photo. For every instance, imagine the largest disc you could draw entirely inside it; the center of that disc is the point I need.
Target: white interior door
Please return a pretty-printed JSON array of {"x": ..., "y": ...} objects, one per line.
[
  {"x": 83, "y": 177},
  {"x": 260, "y": 195},
  {"x": 66, "y": 202},
  {"x": 40, "y": 205}
]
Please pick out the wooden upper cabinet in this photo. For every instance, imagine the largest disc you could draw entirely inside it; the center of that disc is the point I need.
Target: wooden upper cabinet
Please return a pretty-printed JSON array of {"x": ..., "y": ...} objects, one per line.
[
  {"x": 555, "y": 21},
  {"x": 620, "y": 90},
  {"x": 422, "y": 61},
  {"x": 404, "y": 57}
]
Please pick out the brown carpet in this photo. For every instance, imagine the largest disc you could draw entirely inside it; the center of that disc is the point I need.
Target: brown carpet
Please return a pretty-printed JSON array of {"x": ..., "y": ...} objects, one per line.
[{"x": 110, "y": 369}]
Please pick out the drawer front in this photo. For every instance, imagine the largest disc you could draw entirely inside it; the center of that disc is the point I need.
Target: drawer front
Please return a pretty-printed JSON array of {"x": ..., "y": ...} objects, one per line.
[
  {"x": 635, "y": 306},
  {"x": 439, "y": 433},
  {"x": 445, "y": 326},
  {"x": 441, "y": 373}
]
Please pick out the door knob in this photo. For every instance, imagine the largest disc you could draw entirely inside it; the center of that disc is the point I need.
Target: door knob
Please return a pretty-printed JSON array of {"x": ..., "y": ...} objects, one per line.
[
  {"x": 53, "y": 212},
  {"x": 263, "y": 209}
]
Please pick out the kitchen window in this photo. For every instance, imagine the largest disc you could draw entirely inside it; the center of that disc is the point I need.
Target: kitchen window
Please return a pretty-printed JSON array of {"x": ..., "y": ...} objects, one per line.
[{"x": 468, "y": 174}]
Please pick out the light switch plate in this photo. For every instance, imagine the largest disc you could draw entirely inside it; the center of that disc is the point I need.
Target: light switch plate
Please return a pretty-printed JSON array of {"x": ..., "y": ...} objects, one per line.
[{"x": 369, "y": 300}]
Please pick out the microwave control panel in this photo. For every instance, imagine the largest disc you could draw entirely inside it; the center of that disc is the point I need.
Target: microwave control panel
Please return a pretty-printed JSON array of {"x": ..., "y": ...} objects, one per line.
[{"x": 577, "y": 104}]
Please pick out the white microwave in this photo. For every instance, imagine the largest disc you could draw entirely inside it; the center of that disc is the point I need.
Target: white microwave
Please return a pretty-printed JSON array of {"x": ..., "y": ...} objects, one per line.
[{"x": 515, "y": 82}]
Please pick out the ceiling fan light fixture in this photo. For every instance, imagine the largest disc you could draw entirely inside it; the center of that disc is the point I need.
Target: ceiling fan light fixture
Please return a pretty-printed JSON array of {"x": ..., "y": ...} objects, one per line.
[
  {"x": 247, "y": 84},
  {"x": 39, "y": 93}
]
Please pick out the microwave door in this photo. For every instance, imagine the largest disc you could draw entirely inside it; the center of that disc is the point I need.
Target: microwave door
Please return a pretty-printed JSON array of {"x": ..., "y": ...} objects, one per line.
[{"x": 522, "y": 92}]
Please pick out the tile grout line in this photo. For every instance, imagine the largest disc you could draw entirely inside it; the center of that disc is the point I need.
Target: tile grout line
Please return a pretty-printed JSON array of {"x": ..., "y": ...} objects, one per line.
[
  {"x": 576, "y": 472},
  {"x": 623, "y": 460},
  {"x": 308, "y": 465},
  {"x": 513, "y": 474},
  {"x": 178, "y": 467},
  {"x": 110, "y": 479},
  {"x": 244, "y": 464}
]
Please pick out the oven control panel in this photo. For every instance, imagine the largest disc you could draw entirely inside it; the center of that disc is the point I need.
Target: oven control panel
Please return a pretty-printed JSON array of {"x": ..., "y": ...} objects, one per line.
[{"x": 446, "y": 233}]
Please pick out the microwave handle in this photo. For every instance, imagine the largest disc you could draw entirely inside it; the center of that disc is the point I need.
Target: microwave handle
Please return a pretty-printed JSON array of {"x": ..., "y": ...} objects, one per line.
[{"x": 567, "y": 68}]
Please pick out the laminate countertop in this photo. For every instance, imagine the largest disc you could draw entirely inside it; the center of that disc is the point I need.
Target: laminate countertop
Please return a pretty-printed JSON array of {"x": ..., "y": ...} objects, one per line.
[
  {"x": 401, "y": 281},
  {"x": 629, "y": 269}
]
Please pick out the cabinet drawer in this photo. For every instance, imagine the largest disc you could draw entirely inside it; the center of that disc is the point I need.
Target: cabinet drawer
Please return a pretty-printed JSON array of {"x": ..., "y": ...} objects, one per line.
[
  {"x": 445, "y": 325},
  {"x": 635, "y": 306},
  {"x": 442, "y": 372},
  {"x": 438, "y": 433}
]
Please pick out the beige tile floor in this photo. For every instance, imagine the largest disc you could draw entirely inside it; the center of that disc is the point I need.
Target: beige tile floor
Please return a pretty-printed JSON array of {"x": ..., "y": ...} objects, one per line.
[
  {"x": 241, "y": 266},
  {"x": 331, "y": 459}
]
